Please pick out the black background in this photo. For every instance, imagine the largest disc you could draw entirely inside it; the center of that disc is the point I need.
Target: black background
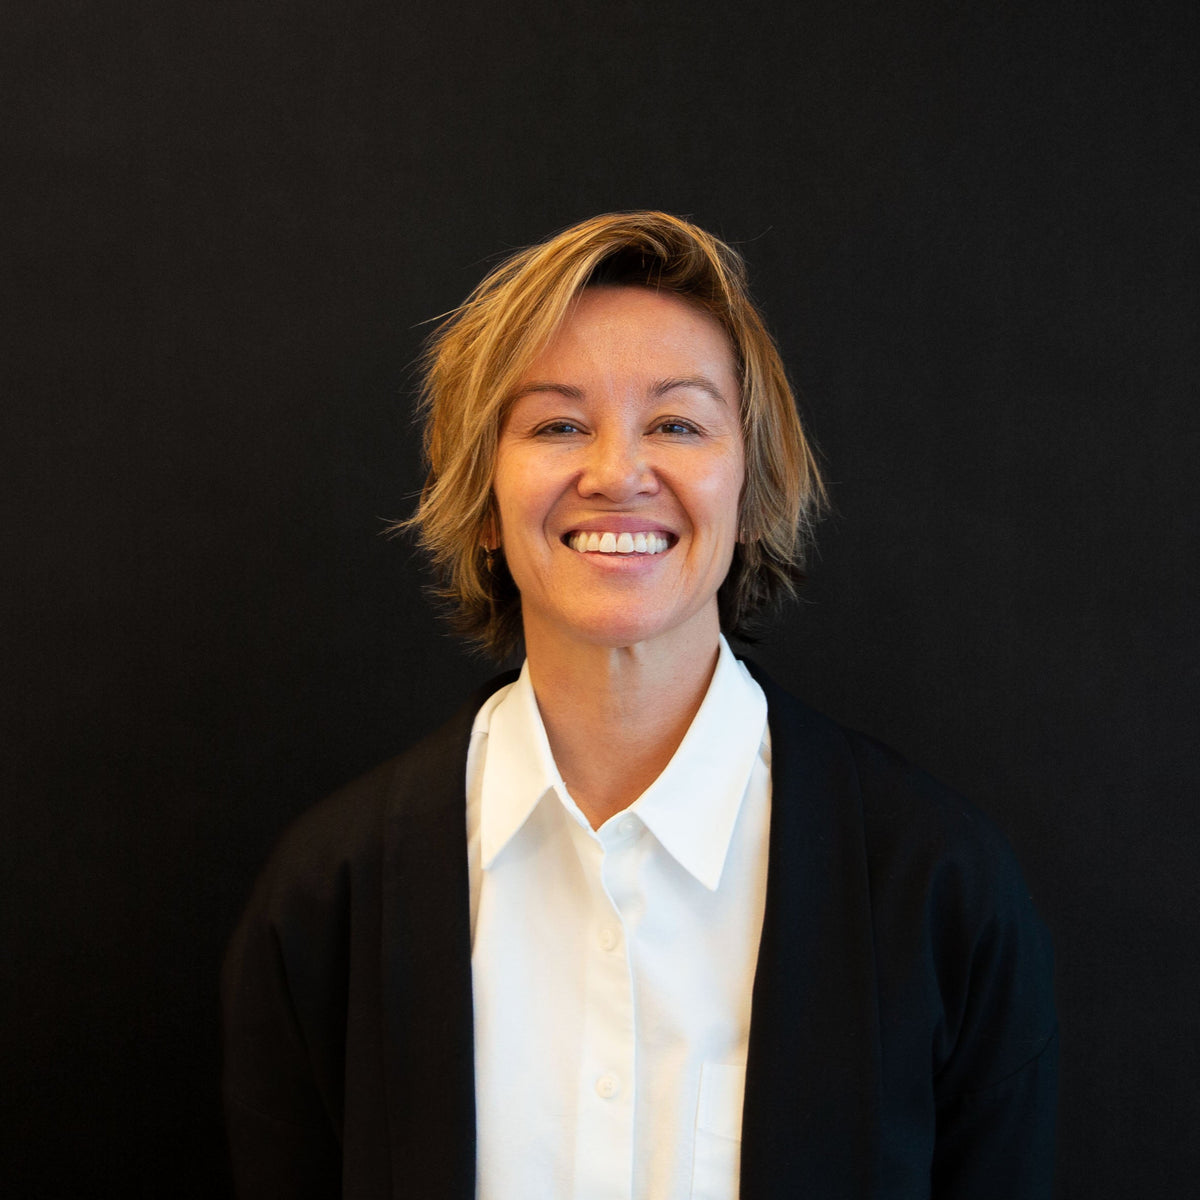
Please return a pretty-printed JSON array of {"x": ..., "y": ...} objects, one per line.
[{"x": 973, "y": 230}]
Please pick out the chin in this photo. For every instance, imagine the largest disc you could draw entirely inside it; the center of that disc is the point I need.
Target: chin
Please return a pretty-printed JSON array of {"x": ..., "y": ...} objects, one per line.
[
  {"x": 619, "y": 633},
  {"x": 623, "y": 628}
]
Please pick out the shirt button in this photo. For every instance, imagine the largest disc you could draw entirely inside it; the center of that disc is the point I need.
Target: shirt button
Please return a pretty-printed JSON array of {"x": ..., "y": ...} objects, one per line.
[
  {"x": 609, "y": 938},
  {"x": 627, "y": 827},
  {"x": 607, "y": 1086}
]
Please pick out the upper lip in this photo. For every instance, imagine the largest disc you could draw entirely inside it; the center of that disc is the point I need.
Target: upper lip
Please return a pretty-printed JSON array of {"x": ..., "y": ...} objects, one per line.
[{"x": 618, "y": 523}]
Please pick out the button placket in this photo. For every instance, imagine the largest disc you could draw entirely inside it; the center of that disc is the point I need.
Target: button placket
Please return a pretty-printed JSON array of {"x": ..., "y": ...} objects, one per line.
[{"x": 604, "y": 1131}]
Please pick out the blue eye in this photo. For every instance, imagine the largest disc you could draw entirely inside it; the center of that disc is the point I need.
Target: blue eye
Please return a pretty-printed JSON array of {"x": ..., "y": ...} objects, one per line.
[
  {"x": 558, "y": 427},
  {"x": 676, "y": 428}
]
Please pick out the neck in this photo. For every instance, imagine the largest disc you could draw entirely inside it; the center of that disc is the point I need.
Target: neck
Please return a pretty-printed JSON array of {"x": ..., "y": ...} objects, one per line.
[{"x": 615, "y": 716}]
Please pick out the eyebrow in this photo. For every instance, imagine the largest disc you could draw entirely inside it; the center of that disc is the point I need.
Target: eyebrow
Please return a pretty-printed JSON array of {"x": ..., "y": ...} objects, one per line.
[
  {"x": 563, "y": 389},
  {"x": 658, "y": 389},
  {"x": 701, "y": 382}
]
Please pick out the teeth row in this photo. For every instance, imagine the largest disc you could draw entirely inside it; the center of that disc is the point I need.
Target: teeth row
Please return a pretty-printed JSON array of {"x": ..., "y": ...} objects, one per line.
[{"x": 618, "y": 543}]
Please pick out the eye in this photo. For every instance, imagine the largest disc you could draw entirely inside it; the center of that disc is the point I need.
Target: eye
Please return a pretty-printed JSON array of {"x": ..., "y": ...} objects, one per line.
[
  {"x": 558, "y": 429},
  {"x": 676, "y": 428}
]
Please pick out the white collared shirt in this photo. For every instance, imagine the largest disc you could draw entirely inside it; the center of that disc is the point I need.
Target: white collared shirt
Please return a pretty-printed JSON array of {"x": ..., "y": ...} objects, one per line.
[{"x": 612, "y": 969}]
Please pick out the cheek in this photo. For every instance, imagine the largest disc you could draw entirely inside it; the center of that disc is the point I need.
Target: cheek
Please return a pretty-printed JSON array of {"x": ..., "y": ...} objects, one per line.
[
  {"x": 506, "y": 486},
  {"x": 724, "y": 493},
  {"x": 522, "y": 500}
]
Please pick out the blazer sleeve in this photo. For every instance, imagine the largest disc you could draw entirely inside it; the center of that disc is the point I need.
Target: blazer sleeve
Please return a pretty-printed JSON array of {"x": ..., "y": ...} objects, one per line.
[
  {"x": 967, "y": 964},
  {"x": 996, "y": 1087},
  {"x": 283, "y": 995}
]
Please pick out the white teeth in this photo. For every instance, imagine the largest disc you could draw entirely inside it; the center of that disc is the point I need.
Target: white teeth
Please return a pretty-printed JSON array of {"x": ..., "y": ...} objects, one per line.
[{"x": 618, "y": 543}]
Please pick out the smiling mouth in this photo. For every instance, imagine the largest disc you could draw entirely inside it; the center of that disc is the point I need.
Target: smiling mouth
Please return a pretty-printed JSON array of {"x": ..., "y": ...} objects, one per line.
[{"x": 617, "y": 543}]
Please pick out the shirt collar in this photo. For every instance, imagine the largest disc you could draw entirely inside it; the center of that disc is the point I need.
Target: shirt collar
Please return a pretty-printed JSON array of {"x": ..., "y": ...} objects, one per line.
[
  {"x": 691, "y": 808},
  {"x": 518, "y": 768}
]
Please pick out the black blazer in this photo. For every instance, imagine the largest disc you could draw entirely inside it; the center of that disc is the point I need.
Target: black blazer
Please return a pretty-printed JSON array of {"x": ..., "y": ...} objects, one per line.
[{"x": 902, "y": 1041}]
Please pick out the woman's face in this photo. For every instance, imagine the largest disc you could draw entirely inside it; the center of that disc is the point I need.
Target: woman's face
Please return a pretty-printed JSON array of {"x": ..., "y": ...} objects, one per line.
[{"x": 618, "y": 475}]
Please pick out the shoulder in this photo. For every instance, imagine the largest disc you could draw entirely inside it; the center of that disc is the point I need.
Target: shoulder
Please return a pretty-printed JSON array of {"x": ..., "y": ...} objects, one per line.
[
  {"x": 336, "y": 845},
  {"x": 916, "y": 825},
  {"x": 908, "y": 819}
]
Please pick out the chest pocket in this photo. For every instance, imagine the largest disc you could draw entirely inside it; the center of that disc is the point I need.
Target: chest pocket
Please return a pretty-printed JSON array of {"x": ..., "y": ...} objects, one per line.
[{"x": 716, "y": 1160}]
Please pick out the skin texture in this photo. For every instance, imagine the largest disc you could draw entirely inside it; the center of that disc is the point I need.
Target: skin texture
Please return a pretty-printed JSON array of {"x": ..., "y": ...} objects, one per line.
[{"x": 627, "y": 422}]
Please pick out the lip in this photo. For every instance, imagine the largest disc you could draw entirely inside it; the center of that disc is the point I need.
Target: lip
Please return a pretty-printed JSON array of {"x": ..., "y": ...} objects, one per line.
[{"x": 619, "y": 523}]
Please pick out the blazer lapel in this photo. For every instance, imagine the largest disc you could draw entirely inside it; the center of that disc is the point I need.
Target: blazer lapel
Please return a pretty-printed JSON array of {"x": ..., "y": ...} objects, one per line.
[
  {"x": 811, "y": 1110},
  {"x": 426, "y": 950}
]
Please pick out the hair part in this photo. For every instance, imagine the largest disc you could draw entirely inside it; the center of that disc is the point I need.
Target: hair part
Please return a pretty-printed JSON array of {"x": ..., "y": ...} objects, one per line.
[{"x": 478, "y": 355}]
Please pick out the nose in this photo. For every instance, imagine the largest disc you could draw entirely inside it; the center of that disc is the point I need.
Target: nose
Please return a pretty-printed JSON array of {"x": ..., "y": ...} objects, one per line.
[{"x": 617, "y": 468}]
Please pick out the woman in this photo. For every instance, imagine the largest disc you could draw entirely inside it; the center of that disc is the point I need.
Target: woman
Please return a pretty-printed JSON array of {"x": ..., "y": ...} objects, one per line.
[{"x": 636, "y": 922}]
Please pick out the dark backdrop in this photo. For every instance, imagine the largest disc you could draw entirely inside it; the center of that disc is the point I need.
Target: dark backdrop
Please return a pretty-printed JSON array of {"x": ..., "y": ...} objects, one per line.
[{"x": 973, "y": 229}]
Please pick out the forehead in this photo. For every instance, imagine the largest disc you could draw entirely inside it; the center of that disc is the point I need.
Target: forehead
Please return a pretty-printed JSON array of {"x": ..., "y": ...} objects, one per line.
[{"x": 636, "y": 328}]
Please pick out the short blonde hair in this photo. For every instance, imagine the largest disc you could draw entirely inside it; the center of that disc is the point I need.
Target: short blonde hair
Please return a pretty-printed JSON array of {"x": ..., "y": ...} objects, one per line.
[{"x": 479, "y": 353}]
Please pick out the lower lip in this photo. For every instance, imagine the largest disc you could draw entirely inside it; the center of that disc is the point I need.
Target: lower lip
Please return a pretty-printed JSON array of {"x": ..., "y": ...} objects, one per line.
[{"x": 626, "y": 562}]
